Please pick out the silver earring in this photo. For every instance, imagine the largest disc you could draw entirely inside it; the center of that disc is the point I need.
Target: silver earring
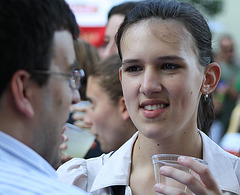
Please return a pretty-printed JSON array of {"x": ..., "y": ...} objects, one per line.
[{"x": 206, "y": 96}]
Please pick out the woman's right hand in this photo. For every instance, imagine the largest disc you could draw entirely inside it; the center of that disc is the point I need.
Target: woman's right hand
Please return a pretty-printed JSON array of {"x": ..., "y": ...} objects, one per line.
[
  {"x": 206, "y": 185},
  {"x": 79, "y": 111}
]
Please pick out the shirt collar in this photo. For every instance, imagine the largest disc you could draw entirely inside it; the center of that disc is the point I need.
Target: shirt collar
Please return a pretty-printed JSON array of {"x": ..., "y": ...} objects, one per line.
[
  {"x": 119, "y": 163},
  {"x": 221, "y": 164}
]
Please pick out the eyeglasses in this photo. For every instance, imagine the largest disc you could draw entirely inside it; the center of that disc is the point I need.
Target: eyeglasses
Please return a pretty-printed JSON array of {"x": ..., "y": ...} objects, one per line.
[{"x": 74, "y": 77}]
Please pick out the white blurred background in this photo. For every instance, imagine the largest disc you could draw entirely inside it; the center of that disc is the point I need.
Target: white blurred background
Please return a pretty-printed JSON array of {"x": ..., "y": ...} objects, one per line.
[{"x": 91, "y": 16}]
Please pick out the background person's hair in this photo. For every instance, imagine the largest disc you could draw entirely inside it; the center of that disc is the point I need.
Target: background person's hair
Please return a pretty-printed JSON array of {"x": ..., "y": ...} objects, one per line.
[
  {"x": 122, "y": 9},
  {"x": 26, "y": 36},
  {"x": 195, "y": 23},
  {"x": 87, "y": 57},
  {"x": 107, "y": 74}
]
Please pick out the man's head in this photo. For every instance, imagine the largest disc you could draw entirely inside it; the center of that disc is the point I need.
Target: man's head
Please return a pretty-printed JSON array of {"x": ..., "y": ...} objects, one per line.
[
  {"x": 226, "y": 49},
  {"x": 36, "y": 45},
  {"x": 26, "y": 36},
  {"x": 115, "y": 18}
]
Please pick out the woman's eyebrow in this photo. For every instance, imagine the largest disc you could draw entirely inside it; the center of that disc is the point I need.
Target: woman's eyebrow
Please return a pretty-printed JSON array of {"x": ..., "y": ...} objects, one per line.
[
  {"x": 170, "y": 57},
  {"x": 160, "y": 58},
  {"x": 130, "y": 61}
]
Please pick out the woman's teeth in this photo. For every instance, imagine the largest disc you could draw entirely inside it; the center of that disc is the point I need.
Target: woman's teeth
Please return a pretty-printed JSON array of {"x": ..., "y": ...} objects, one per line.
[{"x": 154, "y": 107}]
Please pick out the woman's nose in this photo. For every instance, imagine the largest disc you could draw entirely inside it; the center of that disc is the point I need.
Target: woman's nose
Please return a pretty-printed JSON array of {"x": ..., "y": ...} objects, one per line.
[{"x": 150, "y": 82}]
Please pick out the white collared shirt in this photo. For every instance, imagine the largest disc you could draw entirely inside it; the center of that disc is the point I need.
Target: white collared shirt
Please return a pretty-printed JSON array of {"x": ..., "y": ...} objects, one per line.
[
  {"x": 95, "y": 178},
  {"x": 24, "y": 172}
]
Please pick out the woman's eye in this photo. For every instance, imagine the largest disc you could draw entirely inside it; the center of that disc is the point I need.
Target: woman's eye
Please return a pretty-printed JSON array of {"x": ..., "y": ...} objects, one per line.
[
  {"x": 133, "y": 69},
  {"x": 168, "y": 66}
]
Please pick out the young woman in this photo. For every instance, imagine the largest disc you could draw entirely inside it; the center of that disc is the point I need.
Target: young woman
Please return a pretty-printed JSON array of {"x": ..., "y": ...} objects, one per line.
[{"x": 167, "y": 76}]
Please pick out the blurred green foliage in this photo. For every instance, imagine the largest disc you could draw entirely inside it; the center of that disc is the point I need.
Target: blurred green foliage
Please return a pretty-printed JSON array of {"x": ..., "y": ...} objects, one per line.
[{"x": 210, "y": 7}]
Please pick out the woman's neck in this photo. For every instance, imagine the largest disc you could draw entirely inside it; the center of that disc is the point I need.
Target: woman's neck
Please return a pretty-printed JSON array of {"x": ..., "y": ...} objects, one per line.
[{"x": 188, "y": 144}]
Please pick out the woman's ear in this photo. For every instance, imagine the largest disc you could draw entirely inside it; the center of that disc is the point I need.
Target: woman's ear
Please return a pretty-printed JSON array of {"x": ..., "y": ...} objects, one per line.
[
  {"x": 212, "y": 76},
  {"x": 20, "y": 92},
  {"x": 123, "y": 109}
]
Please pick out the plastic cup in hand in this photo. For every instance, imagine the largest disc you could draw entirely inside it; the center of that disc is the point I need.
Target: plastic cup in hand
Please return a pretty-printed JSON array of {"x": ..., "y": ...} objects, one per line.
[
  {"x": 160, "y": 160},
  {"x": 79, "y": 141}
]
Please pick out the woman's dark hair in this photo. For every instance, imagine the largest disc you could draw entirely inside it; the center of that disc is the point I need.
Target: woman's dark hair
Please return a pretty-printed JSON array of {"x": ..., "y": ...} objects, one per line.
[{"x": 195, "y": 23}]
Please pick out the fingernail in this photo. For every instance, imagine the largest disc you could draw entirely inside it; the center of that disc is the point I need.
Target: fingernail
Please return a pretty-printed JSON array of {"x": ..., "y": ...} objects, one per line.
[
  {"x": 163, "y": 169},
  {"x": 181, "y": 158},
  {"x": 157, "y": 186}
]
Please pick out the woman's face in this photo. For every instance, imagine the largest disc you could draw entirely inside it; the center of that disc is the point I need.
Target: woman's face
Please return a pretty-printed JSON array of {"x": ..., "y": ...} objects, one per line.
[
  {"x": 105, "y": 118},
  {"x": 161, "y": 77}
]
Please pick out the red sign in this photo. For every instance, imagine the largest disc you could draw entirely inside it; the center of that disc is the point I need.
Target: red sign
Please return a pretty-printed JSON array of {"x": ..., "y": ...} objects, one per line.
[{"x": 93, "y": 35}]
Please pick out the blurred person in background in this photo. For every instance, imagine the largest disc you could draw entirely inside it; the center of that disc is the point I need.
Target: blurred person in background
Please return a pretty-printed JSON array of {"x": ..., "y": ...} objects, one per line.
[
  {"x": 115, "y": 18},
  {"x": 87, "y": 57},
  {"x": 217, "y": 129},
  {"x": 39, "y": 82},
  {"x": 231, "y": 140},
  {"x": 107, "y": 114},
  {"x": 226, "y": 91}
]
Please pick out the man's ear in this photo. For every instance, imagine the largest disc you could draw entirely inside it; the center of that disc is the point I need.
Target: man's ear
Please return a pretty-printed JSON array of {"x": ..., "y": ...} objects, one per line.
[
  {"x": 21, "y": 92},
  {"x": 212, "y": 76},
  {"x": 123, "y": 109}
]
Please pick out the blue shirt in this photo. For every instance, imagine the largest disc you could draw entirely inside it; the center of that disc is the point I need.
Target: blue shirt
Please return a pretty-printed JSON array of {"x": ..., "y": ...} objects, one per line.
[{"x": 23, "y": 171}]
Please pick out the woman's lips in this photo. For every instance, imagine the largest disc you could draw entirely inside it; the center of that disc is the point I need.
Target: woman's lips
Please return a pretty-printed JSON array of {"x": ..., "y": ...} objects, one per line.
[{"x": 153, "y": 108}]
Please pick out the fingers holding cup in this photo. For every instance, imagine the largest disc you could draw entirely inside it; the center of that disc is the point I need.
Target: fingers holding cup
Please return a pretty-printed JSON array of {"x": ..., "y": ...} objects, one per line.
[{"x": 175, "y": 176}]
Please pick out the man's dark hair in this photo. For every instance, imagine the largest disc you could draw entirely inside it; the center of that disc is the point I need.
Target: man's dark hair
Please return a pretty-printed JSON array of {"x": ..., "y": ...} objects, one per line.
[
  {"x": 26, "y": 35},
  {"x": 122, "y": 9}
]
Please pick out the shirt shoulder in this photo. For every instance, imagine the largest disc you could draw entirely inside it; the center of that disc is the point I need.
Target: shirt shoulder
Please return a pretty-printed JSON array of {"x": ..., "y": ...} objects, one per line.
[
  {"x": 224, "y": 166},
  {"x": 81, "y": 172},
  {"x": 19, "y": 181}
]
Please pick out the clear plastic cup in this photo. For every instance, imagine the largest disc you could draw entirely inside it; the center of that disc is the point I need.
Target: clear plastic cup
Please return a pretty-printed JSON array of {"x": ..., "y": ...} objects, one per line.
[
  {"x": 79, "y": 141},
  {"x": 160, "y": 160}
]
